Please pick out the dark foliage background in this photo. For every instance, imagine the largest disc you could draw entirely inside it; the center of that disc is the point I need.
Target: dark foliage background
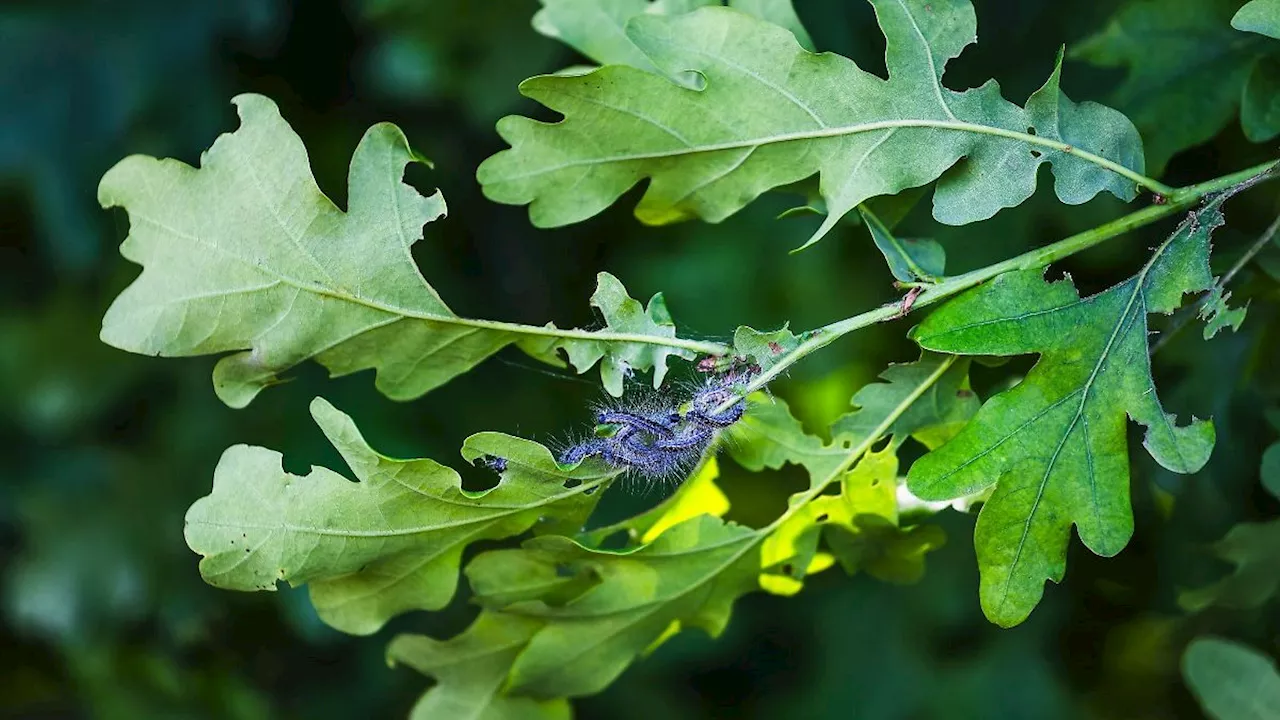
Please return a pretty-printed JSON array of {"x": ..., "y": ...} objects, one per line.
[{"x": 103, "y": 612}]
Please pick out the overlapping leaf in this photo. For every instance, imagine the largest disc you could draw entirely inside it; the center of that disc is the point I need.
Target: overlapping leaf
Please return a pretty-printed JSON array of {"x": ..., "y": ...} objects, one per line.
[
  {"x": 391, "y": 542},
  {"x": 1186, "y": 69},
  {"x": 246, "y": 254},
  {"x": 566, "y": 617},
  {"x": 770, "y": 113},
  {"x": 471, "y": 669},
  {"x": 1054, "y": 445},
  {"x": 598, "y": 28}
]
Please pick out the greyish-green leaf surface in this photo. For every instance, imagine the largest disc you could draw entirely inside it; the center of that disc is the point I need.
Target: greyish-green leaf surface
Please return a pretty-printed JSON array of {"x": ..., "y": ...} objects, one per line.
[
  {"x": 1232, "y": 681},
  {"x": 1169, "y": 47},
  {"x": 390, "y": 543},
  {"x": 583, "y": 614},
  {"x": 1054, "y": 445},
  {"x": 246, "y": 254},
  {"x": 771, "y": 113},
  {"x": 598, "y": 28}
]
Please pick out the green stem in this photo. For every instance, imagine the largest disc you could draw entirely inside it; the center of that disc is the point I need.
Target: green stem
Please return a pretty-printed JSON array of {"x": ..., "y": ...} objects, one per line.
[{"x": 1175, "y": 201}]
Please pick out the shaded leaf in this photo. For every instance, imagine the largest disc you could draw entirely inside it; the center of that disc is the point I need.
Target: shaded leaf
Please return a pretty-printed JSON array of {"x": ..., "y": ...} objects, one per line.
[
  {"x": 766, "y": 349},
  {"x": 1254, "y": 548},
  {"x": 372, "y": 549},
  {"x": 1271, "y": 469},
  {"x": 1186, "y": 69},
  {"x": 946, "y": 405},
  {"x": 1218, "y": 315},
  {"x": 1260, "y": 107},
  {"x": 470, "y": 670},
  {"x": 247, "y": 254},
  {"x": 909, "y": 260},
  {"x": 603, "y": 609},
  {"x": 1231, "y": 681},
  {"x": 771, "y": 114},
  {"x": 1054, "y": 445}
]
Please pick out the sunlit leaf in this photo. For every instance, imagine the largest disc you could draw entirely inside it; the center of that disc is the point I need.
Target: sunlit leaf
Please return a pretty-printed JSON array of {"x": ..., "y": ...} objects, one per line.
[
  {"x": 390, "y": 543},
  {"x": 1054, "y": 445},
  {"x": 771, "y": 114},
  {"x": 1232, "y": 681},
  {"x": 247, "y": 254},
  {"x": 690, "y": 574}
]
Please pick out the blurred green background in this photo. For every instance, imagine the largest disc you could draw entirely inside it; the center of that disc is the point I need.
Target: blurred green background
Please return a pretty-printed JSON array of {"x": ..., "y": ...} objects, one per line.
[{"x": 102, "y": 611}]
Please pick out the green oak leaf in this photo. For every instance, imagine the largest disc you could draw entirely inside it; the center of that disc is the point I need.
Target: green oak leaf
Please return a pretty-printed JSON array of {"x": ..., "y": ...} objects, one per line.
[
  {"x": 1186, "y": 69},
  {"x": 601, "y": 609},
  {"x": 909, "y": 260},
  {"x": 390, "y": 543},
  {"x": 946, "y": 405},
  {"x": 1254, "y": 548},
  {"x": 1054, "y": 445},
  {"x": 769, "y": 436},
  {"x": 598, "y": 28},
  {"x": 246, "y": 254},
  {"x": 690, "y": 575},
  {"x": 771, "y": 113},
  {"x": 1259, "y": 16},
  {"x": 1232, "y": 681},
  {"x": 470, "y": 671}
]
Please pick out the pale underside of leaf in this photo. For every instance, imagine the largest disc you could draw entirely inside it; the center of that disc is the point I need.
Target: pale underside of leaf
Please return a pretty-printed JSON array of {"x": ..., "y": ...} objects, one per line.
[
  {"x": 772, "y": 114},
  {"x": 246, "y": 254},
  {"x": 373, "y": 549}
]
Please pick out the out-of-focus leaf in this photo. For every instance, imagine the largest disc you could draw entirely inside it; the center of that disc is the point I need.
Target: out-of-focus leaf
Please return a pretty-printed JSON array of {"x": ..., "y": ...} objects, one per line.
[
  {"x": 470, "y": 670},
  {"x": 860, "y": 526},
  {"x": 1271, "y": 470},
  {"x": 391, "y": 542},
  {"x": 247, "y": 254},
  {"x": 1054, "y": 445},
  {"x": 1259, "y": 16},
  {"x": 909, "y": 260},
  {"x": 598, "y": 28},
  {"x": 1254, "y": 548},
  {"x": 1232, "y": 681},
  {"x": 1260, "y": 108},
  {"x": 772, "y": 114},
  {"x": 1186, "y": 69}
]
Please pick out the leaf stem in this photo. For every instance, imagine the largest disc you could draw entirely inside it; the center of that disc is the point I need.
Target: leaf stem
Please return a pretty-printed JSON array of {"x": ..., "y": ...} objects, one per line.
[{"x": 1175, "y": 201}]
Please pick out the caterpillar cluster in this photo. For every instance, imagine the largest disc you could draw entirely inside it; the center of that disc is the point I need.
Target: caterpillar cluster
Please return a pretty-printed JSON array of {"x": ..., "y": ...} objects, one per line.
[{"x": 664, "y": 438}]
